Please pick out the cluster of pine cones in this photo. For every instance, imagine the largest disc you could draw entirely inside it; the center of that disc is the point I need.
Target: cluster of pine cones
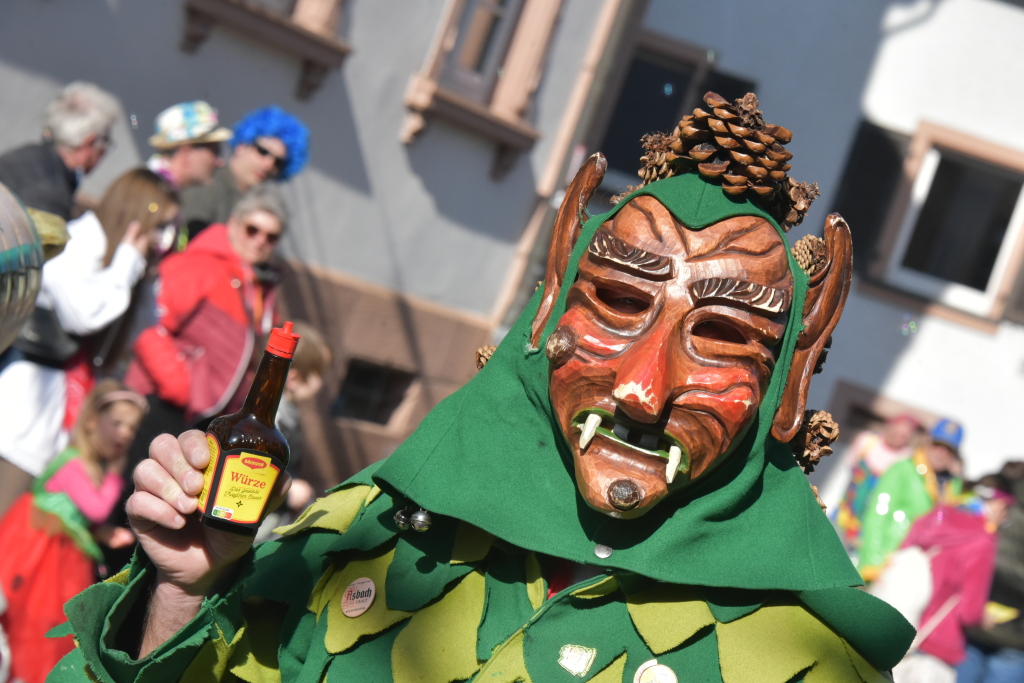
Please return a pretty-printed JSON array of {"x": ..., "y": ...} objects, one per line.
[
  {"x": 732, "y": 142},
  {"x": 810, "y": 253},
  {"x": 814, "y": 440}
]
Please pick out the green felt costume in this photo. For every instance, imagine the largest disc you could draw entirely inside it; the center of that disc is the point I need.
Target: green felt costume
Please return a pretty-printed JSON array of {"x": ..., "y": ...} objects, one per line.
[{"x": 740, "y": 578}]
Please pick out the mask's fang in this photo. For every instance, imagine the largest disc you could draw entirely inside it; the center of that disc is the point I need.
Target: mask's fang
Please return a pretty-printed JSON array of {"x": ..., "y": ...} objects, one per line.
[
  {"x": 588, "y": 429},
  {"x": 675, "y": 457}
]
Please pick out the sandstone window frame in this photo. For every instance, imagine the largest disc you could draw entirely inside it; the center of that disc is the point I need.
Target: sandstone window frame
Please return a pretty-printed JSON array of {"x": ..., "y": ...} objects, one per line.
[
  {"x": 309, "y": 33},
  {"x": 919, "y": 167},
  {"x": 497, "y": 113}
]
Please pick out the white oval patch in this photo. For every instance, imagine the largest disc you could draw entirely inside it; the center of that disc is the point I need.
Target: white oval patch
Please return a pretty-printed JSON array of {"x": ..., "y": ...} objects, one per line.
[{"x": 358, "y": 597}]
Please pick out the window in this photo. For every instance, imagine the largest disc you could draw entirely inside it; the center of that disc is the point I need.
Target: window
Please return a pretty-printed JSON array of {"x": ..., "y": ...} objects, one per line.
[
  {"x": 669, "y": 78},
  {"x": 371, "y": 392},
  {"x": 953, "y": 239},
  {"x": 304, "y": 28},
  {"x": 474, "y": 64},
  {"x": 485, "y": 65}
]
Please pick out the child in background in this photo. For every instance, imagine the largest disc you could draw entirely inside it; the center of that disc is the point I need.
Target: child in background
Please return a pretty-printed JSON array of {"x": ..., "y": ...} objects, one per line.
[
  {"x": 305, "y": 379},
  {"x": 48, "y": 539}
]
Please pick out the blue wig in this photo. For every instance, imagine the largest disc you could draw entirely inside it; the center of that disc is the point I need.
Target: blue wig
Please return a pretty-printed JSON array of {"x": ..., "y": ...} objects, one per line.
[{"x": 275, "y": 122}]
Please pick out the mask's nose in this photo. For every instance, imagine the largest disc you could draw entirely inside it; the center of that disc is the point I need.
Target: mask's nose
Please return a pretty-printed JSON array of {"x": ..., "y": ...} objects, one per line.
[{"x": 643, "y": 380}]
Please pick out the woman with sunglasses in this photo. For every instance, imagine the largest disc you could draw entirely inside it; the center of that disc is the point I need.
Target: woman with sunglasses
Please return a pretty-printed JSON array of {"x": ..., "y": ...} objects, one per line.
[
  {"x": 269, "y": 144},
  {"x": 84, "y": 296},
  {"x": 215, "y": 299}
]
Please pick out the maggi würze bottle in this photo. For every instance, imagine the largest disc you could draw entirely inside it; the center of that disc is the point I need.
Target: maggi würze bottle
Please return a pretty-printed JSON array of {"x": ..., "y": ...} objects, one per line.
[{"x": 247, "y": 452}]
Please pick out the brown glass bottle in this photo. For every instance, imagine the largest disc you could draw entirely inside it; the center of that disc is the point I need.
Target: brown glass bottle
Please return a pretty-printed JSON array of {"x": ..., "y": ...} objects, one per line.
[{"x": 247, "y": 452}]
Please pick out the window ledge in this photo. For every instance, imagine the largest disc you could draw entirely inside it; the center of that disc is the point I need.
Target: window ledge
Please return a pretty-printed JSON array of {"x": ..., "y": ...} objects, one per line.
[
  {"x": 319, "y": 53},
  {"x": 426, "y": 96},
  {"x": 913, "y": 302}
]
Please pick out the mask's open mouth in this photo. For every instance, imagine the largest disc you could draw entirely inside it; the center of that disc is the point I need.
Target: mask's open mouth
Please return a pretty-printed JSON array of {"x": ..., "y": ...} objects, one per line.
[{"x": 643, "y": 438}]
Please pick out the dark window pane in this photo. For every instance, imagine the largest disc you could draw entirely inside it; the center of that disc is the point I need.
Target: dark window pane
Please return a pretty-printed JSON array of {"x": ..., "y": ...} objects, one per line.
[
  {"x": 651, "y": 101},
  {"x": 730, "y": 87},
  {"x": 872, "y": 174},
  {"x": 963, "y": 221},
  {"x": 371, "y": 392}
]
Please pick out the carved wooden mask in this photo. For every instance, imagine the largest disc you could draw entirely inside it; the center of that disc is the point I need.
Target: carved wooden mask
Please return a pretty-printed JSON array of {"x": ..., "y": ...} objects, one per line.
[{"x": 669, "y": 339}]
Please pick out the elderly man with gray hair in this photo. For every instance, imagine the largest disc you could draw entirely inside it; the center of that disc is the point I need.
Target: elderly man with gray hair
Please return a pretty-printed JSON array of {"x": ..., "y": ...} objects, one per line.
[
  {"x": 76, "y": 135},
  {"x": 215, "y": 300}
]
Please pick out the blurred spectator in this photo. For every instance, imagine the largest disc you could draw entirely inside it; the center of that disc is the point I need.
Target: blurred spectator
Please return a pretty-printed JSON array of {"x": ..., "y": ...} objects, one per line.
[
  {"x": 961, "y": 542},
  {"x": 48, "y": 539},
  {"x": 269, "y": 144},
  {"x": 83, "y": 290},
  {"x": 45, "y": 175},
  {"x": 215, "y": 299},
  {"x": 305, "y": 379},
  {"x": 908, "y": 490},
  {"x": 188, "y": 143},
  {"x": 995, "y": 649},
  {"x": 869, "y": 457}
]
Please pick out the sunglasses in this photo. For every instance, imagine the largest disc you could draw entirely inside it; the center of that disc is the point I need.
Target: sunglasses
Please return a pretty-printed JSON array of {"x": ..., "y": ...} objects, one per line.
[
  {"x": 279, "y": 162},
  {"x": 271, "y": 237}
]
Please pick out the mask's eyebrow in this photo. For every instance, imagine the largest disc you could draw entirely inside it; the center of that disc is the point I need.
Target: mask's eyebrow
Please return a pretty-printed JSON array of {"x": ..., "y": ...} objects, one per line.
[
  {"x": 607, "y": 247},
  {"x": 758, "y": 297}
]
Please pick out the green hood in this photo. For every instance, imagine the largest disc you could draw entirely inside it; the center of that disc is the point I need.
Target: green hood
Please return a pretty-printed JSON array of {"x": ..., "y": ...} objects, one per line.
[{"x": 492, "y": 454}]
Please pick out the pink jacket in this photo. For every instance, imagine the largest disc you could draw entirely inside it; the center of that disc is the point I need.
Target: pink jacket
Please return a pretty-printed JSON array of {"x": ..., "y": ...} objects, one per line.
[{"x": 963, "y": 566}]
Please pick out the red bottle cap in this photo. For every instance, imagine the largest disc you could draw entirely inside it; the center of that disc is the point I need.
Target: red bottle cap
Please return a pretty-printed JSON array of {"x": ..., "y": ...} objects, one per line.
[{"x": 283, "y": 341}]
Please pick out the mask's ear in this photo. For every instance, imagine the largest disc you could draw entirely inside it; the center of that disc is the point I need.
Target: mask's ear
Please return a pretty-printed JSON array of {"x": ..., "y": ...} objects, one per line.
[
  {"x": 571, "y": 217},
  {"x": 826, "y": 297}
]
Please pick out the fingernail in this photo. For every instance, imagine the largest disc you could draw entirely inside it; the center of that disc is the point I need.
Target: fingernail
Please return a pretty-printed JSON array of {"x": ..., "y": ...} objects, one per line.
[
  {"x": 186, "y": 502},
  {"x": 193, "y": 481},
  {"x": 178, "y": 521}
]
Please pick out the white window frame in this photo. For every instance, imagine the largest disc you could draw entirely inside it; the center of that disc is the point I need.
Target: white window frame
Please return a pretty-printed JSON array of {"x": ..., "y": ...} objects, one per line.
[
  {"x": 952, "y": 294},
  {"x": 919, "y": 170}
]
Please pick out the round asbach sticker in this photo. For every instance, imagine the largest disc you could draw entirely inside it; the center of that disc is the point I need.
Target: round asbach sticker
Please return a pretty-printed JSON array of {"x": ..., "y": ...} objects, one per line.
[{"x": 358, "y": 597}]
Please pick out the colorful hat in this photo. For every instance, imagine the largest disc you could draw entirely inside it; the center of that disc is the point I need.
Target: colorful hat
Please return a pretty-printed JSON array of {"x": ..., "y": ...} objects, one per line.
[
  {"x": 188, "y": 123},
  {"x": 948, "y": 433}
]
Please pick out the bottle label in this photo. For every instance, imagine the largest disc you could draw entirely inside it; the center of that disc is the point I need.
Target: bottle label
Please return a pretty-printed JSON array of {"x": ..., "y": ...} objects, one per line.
[
  {"x": 211, "y": 469},
  {"x": 246, "y": 480}
]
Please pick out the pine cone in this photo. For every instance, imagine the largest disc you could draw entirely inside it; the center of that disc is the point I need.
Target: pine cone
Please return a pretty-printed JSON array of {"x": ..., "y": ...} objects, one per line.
[
  {"x": 732, "y": 142},
  {"x": 814, "y": 440},
  {"x": 809, "y": 252},
  {"x": 814, "y": 489},
  {"x": 483, "y": 354}
]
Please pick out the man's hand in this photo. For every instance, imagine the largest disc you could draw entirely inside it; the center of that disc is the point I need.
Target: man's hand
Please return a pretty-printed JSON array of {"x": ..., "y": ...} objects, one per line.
[{"x": 190, "y": 558}]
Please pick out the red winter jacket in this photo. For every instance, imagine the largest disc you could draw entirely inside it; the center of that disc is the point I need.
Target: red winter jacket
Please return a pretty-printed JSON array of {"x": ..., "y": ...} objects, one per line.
[
  {"x": 963, "y": 566},
  {"x": 199, "y": 352}
]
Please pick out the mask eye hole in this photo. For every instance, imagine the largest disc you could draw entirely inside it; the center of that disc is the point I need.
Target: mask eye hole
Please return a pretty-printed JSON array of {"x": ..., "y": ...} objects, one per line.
[
  {"x": 718, "y": 331},
  {"x": 627, "y": 303}
]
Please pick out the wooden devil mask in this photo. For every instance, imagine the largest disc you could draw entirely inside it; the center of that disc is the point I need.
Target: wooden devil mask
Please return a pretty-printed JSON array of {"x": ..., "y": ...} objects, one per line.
[{"x": 673, "y": 328}]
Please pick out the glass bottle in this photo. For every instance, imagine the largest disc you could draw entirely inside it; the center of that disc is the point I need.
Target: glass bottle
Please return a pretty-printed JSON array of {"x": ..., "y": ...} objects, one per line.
[{"x": 247, "y": 451}]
